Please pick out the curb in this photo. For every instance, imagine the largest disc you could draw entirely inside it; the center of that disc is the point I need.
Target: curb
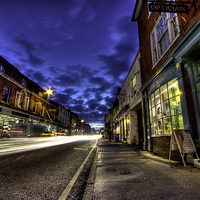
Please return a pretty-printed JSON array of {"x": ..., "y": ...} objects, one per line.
[{"x": 88, "y": 193}]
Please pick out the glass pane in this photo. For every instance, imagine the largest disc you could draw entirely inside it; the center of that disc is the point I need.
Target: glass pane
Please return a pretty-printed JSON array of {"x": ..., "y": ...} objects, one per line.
[
  {"x": 155, "y": 128},
  {"x": 160, "y": 127},
  {"x": 4, "y": 97},
  {"x": 173, "y": 88},
  {"x": 164, "y": 93},
  {"x": 157, "y": 96},
  {"x": 167, "y": 125},
  {"x": 175, "y": 104},
  {"x": 152, "y": 131},
  {"x": 158, "y": 111},
  {"x": 152, "y": 100},
  {"x": 154, "y": 113},
  {"x": 150, "y": 113},
  {"x": 149, "y": 102},
  {"x": 165, "y": 108},
  {"x": 177, "y": 122}
]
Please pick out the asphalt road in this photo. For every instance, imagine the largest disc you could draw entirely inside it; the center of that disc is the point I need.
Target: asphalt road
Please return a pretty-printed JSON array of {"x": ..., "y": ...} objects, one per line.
[{"x": 42, "y": 173}]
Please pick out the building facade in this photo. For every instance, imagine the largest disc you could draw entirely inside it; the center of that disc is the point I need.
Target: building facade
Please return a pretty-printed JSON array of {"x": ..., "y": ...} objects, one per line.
[
  {"x": 61, "y": 116},
  {"x": 129, "y": 120},
  {"x": 21, "y": 101},
  {"x": 169, "y": 47}
]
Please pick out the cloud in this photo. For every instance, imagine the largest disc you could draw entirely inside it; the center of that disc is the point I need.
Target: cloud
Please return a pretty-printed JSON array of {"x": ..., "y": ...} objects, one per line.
[
  {"x": 102, "y": 108},
  {"x": 32, "y": 58},
  {"x": 113, "y": 65},
  {"x": 37, "y": 76}
]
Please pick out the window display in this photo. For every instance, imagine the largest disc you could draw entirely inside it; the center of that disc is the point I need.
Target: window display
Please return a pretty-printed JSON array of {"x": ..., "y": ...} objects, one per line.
[{"x": 166, "y": 112}]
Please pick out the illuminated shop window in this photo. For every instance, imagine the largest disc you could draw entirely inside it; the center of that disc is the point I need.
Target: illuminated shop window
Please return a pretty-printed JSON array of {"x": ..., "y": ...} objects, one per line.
[{"x": 165, "y": 109}]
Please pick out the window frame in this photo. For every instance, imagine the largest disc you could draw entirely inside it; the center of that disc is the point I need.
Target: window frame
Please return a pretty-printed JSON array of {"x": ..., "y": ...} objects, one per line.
[
  {"x": 158, "y": 116},
  {"x": 35, "y": 104},
  {"x": 133, "y": 87},
  {"x": 2, "y": 68},
  {"x": 24, "y": 82},
  {"x": 172, "y": 37},
  {"x": 5, "y": 92}
]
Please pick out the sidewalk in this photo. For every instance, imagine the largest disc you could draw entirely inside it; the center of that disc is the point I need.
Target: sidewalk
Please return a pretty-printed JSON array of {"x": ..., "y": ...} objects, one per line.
[{"x": 121, "y": 172}]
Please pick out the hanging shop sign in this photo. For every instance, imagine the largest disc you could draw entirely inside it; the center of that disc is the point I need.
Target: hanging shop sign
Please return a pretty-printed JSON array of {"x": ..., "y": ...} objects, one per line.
[
  {"x": 121, "y": 96},
  {"x": 168, "y": 8}
]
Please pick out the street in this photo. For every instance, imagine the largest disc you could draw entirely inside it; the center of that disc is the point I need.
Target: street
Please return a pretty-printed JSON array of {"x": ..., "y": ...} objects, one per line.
[{"x": 43, "y": 167}]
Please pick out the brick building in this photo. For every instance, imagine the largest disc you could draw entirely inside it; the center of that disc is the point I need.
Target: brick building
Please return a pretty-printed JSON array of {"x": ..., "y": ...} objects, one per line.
[
  {"x": 170, "y": 69},
  {"x": 21, "y": 100}
]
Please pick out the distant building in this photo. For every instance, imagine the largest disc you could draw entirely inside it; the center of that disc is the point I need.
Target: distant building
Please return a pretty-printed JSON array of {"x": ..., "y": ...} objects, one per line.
[
  {"x": 74, "y": 121},
  {"x": 126, "y": 114},
  {"x": 62, "y": 117}
]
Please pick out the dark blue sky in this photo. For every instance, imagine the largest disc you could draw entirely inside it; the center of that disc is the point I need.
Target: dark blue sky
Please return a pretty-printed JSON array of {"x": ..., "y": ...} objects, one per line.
[{"x": 81, "y": 48}]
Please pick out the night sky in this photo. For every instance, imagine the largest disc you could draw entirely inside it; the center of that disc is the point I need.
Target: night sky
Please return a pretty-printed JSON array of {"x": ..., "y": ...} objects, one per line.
[{"x": 83, "y": 49}]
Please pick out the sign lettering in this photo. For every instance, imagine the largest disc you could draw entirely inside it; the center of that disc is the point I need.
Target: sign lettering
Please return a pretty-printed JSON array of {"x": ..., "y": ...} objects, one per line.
[
  {"x": 168, "y": 8},
  {"x": 160, "y": 80}
]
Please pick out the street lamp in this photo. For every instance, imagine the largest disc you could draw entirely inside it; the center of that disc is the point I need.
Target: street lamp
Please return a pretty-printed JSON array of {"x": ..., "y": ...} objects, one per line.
[
  {"x": 49, "y": 92},
  {"x": 48, "y": 110},
  {"x": 82, "y": 125}
]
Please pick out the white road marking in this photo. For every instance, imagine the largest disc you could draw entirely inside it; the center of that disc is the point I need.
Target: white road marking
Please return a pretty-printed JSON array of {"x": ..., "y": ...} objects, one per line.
[
  {"x": 18, "y": 158},
  {"x": 71, "y": 183}
]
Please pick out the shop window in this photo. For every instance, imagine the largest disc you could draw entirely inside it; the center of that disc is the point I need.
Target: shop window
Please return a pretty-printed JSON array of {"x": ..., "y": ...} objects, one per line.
[
  {"x": 6, "y": 93},
  {"x": 165, "y": 109},
  {"x": 163, "y": 34}
]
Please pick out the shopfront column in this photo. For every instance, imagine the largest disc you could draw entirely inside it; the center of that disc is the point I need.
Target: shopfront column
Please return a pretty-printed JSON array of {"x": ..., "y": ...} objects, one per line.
[
  {"x": 190, "y": 65},
  {"x": 134, "y": 127},
  {"x": 185, "y": 113}
]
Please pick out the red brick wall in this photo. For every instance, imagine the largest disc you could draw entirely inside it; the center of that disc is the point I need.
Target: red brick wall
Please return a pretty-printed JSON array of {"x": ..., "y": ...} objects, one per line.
[
  {"x": 14, "y": 74},
  {"x": 145, "y": 27},
  {"x": 161, "y": 146}
]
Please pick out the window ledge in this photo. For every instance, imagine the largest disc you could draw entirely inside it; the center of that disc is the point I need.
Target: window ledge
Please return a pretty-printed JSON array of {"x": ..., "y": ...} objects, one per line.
[
  {"x": 166, "y": 51},
  {"x": 164, "y": 135}
]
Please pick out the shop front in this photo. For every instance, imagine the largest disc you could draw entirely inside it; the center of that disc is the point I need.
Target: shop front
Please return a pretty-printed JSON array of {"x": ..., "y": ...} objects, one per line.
[
  {"x": 11, "y": 121},
  {"x": 166, "y": 106}
]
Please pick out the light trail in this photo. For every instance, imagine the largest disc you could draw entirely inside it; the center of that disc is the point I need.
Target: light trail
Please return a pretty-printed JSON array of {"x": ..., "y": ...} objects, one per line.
[{"x": 16, "y": 145}]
